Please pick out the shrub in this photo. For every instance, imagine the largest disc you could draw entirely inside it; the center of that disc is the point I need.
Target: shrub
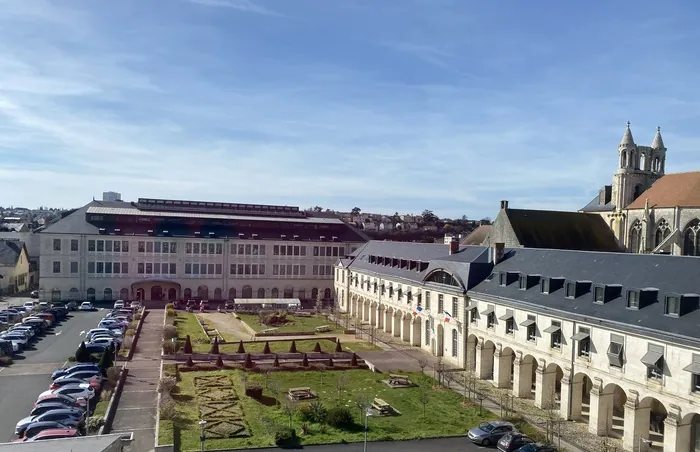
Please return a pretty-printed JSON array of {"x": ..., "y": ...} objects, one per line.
[
  {"x": 338, "y": 347},
  {"x": 248, "y": 361},
  {"x": 167, "y": 408},
  {"x": 169, "y": 306},
  {"x": 219, "y": 361},
  {"x": 169, "y": 347},
  {"x": 5, "y": 360},
  {"x": 166, "y": 384},
  {"x": 130, "y": 333},
  {"x": 266, "y": 350},
  {"x": 293, "y": 347},
  {"x": 286, "y": 436},
  {"x": 94, "y": 423},
  {"x": 188, "y": 345},
  {"x": 340, "y": 417},
  {"x": 170, "y": 313},
  {"x": 137, "y": 316},
  {"x": 254, "y": 391},
  {"x": 305, "y": 361},
  {"x": 82, "y": 355},
  {"x": 317, "y": 348},
  {"x": 105, "y": 395},
  {"x": 189, "y": 362},
  {"x": 113, "y": 375},
  {"x": 169, "y": 332},
  {"x": 316, "y": 412},
  {"x": 133, "y": 326},
  {"x": 241, "y": 348}
]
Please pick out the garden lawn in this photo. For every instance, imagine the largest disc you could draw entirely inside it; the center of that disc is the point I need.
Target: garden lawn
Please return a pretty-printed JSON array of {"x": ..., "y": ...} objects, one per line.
[
  {"x": 453, "y": 418},
  {"x": 297, "y": 324},
  {"x": 187, "y": 324}
]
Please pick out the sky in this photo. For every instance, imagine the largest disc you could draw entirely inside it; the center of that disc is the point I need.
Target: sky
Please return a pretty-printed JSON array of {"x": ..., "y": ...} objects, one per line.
[{"x": 387, "y": 105}]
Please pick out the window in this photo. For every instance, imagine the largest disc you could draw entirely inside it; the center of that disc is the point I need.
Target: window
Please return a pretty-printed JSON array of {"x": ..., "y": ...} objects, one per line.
[
  {"x": 302, "y": 250},
  {"x": 188, "y": 248},
  {"x": 142, "y": 247},
  {"x": 696, "y": 383},
  {"x": 74, "y": 267},
  {"x": 125, "y": 268},
  {"x": 220, "y": 248},
  {"x": 570, "y": 290},
  {"x": 212, "y": 248},
  {"x": 615, "y": 350},
  {"x": 584, "y": 342},
  {"x": 673, "y": 305},
  {"x": 117, "y": 246},
  {"x": 173, "y": 268},
  {"x": 554, "y": 331},
  {"x": 654, "y": 360},
  {"x": 531, "y": 325},
  {"x": 276, "y": 250},
  {"x": 262, "y": 251},
  {"x": 502, "y": 278},
  {"x": 108, "y": 246},
  {"x": 125, "y": 246},
  {"x": 100, "y": 268},
  {"x": 115, "y": 267},
  {"x": 473, "y": 315},
  {"x": 211, "y": 269},
  {"x": 544, "y": 285},
  {"x": 91, "y": 267},
  {"x": 283, "y": 250},
  {"x": 195, "y": 269},
  {"x": 218, "y": 269},
  {"x": 241, "y": 250},
  {"x": 149, "y": 268},
  {"x": 195, "y": 248},
  {"x": 523, "y": 282},
  {"x": 149, "y": 247},
  {"x": 74, "y": 245},
  {"x": 455, "y": 307},
  {"x": 427, "y": 332},
  {"x": 455, "y": 343},
  {"x": 140, "y": 268},
  {"x": 91, "y": 245},
  {"x": 633, "y": 299},
  {"x": 56, "y": 266},
  {"x": 156, "y": 247},
  {"x": 490, "y": 317},
  {"x": 427, "y": 301},
  {"x": 100, "y": 245},
  {"x": 173, "y": 248},
  {"x": 57, "y": 244},
  {"x": 441, "y": 303},
  {"x": 108, "y": 268},
  {"x": 510, "y": 324}
]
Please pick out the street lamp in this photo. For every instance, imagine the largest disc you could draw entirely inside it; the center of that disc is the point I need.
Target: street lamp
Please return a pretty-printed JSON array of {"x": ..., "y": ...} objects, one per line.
[
  {"x": 648, "y": 442},
  {"x": 202, "y": 438},
  {"x": 367, "y": 415}
]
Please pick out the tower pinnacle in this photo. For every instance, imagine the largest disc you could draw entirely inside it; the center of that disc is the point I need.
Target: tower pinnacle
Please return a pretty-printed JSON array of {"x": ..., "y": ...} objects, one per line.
[
  {"x": 658, "y": 142},
  {"x": 627, "y": 137}
]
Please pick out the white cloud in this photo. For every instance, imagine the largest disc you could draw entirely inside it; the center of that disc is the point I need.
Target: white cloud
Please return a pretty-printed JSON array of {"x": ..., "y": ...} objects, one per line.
[{"x": 241, "y": 5}]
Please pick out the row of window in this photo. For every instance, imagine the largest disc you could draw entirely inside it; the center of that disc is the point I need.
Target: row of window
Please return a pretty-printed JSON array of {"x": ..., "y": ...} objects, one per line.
[
  {"x": 247, "y": 269},
  {"x": 430, "y": 327},
  {"x": 112, "y": 268},
  {"x": 202, "y": 248},
  {"x": 202, "y": 291},
  {"x": 248, "y": 249},
  {"x": 200, "y": 269}
]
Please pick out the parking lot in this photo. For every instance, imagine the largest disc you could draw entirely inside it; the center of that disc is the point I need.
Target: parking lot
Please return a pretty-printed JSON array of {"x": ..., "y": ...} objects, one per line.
[{"x": 23, "y": 381}]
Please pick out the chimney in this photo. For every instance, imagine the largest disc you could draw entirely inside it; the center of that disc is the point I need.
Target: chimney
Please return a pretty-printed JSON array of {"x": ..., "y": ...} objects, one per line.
[
  {"x": 499, "y": 250},
  {"x": 454, "y": 246},
  {"x": 504, "y": 205}
]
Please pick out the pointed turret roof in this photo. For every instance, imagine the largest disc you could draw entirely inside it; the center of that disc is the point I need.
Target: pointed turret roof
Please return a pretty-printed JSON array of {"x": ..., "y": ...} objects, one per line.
[
  {"x": 627, "y": 137},
  {"x": 658, "y": 142}
]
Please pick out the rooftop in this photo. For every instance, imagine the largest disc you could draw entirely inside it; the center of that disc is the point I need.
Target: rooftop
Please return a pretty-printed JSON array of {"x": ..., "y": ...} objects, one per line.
[
  {"x": 671, "y": 190},
  {"x": 10, "y": 251},
  {"x": 81, "y": 444}
]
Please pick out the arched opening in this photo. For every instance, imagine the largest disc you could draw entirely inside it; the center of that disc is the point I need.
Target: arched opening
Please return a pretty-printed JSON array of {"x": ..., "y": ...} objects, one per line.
[
  {"x": 232, "y": 293},
  {"x": 261, "y": 293},
  {"x": 551, "y": 387},
  {"x": 662, "y": 232},
  {"x": 91, "y": 294},
  {"x": 635, "y": 241},
  {"x": 470, "y": 357},
  {"x": 288, "y": 292},
  {"x": 406, "y": 330},
  {"x": 643, "y": 161},
  {"x": 247, "y": 292},
  {"x": 73, "y": 294},
  {"x": 274, "y": 293},
  {"x": 440, "y": 341},
  {"x": 172, "y": 294},
  {"x": 56, "y": 295},
  {"x": 443, "y": 277},
  {"x": 217, "y": 294},
  {"x": 581, "y": 386},
  {"x": 611, "y": 412},
  {"x": 632, "y": 163},
  {"x": 188, "y": 293},
  {"x": 124, "y": 293},
  {"x": 527, "y": 381},
  {"x": 140, "y": 294},
  {"x": 327, "y": 294},
  {"x": 301, "y": 294},
  {"x": 314, "y": 293},
  {"x": 156, "y": 293},
  {"x": 203, "y": 292},
  {"x": 487, "y": 361},
  {"x": 691, "y": 244},
  {"x": 505, "y": 368},
  {"x": 688, "y": 434},
  {"x": 415, "y": 327},
  {"x": 107, "y": 294},
  {"x": 623, "y": 159},
  {"x": 653, "y": 414},
  {"x": 398, "y": 315},
  {"x": 657, "y": 164}
]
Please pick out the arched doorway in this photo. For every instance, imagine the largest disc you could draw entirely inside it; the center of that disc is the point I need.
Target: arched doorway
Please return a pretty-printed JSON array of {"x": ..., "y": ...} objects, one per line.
[
  {"x": 247, "y": 292},
  {"x": 288, "y": 292},
  {"x": 611, "y": 412},
  {"x": 487, "y": 362},
  {"x": 140, "y": 294},
  {"x": 275, "y": 293},
  {"x": 156, "y": 293},
  {"x": 172, "y": 294},
  {"x": 416, "y": 328},
  {"x": 301, "y": 294},
  {"x": 73, "y": 294},
  {"x": 188, "y": 294},
  {"x": 232, "y": 293},
  {"x": 527, "y": 383},
  {"x": 398, "y": 315},
  {"x": 688, "y": 434},
  {"x": 655, "y": 412},
  {"x": 217, "y": 294},
  {"x": 327, "y": 294},
  {"x": 124, "y": 294},
  {"x": 107, "y": 294},
  {"x": 314, "y": 293},
  {"x": 203, "y": 292},
  {"x": 91, "y": 294},
  {"x": 261, "y": 293},
  {"x": 440, "y": 347},
  {"x": 505, "y": 368},
  {"x": 56, "y": 295}
]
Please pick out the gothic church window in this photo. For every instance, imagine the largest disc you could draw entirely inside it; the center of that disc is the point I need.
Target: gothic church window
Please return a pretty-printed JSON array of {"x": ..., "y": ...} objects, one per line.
[
  {"x": 662, "y": 232},
  {"x": 691, "y": 239},
  {"x": 635, "y": 241}
]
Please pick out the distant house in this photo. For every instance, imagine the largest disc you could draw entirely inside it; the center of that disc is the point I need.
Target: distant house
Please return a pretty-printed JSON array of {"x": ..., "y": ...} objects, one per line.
[{"x": 14, "y": 267}]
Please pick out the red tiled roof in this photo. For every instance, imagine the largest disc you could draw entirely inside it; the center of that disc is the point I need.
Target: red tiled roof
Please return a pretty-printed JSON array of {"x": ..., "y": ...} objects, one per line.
[{"x": 679, "y": 189}]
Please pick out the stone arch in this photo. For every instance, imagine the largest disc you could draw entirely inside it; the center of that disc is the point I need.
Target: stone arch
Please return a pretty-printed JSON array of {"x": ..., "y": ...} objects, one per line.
[
  {"x": 527, "y": 381},
  {"x": 187, "y": 294},
  {"x": 203, "y": 292},
  {"x": 688, "y": 433},
  {"x": 440, "y": 340},
  {"x": 74, "y": 294},
  {"x": 581, "y": 386},
  {"x": 232, "y": 293},
  {"x": 416, "y": 325},
  {"x": 623, "y": 159},
  {"x": 123, "y": 294},
  {"x": 398, "y": 316},
  {"x": 107, "y": 294},
  {"x": 654, "y": 414},
  {"x": 314, "y": 293},
  {"x": 611, "y": 401},
  {"x": 470, "y": 356},
  {"x": 301, "y": 294},
  {"x": 632, "y": 162},
  {"x": 504, "y": 367},
  {"x": 288, "y": 292},
  {"x": 662, "y": 232},
  {"x": 217, "y": 293},
  {"x": 56, "y": 295},
  {"x": 549, "y": 395},
  {"x": 691, "y": 238},
  {"x": 172, "y": 294},
  {"x": 327, "y": 294},
  {"x": 443, "y": 276},
  {"x": 261, "y": 293},
  {"x": 643, "y": 161},
  {"x": 657, "y": 164},
  {"x": 486, "y": 364},
  {"x": 389, "y": 320},
  {"x": 91, "y": 294},
  {"x": 406, "y": 327},
  {"x": 635, "y": 237},
  {"x": 247, "y": 292}
]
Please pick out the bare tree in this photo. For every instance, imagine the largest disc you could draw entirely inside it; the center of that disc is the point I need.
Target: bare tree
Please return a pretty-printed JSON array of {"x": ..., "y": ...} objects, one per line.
[
  {"x": 363, "y": 402},
  {"x": 340, "y": 383},
  {"x": 275, "y": 388},
  {"x": 424, "y": 398},
  {"x": 449, "y": 378},
  {"x": 422, "y": 363},
  {"x": 289, "y": 407},
  {"x": 266, "y": 374}
]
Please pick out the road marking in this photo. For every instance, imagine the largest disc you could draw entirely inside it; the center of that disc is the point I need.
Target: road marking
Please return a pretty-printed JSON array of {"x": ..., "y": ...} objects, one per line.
[
  {"x": 1, "y": 369},
  {"x": 59, "y": 333},
  {"x": 81, "y": 333}
]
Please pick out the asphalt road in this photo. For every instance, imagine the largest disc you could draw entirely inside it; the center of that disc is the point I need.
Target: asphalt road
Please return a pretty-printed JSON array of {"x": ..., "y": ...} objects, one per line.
[{"x": 28, "y": 376}]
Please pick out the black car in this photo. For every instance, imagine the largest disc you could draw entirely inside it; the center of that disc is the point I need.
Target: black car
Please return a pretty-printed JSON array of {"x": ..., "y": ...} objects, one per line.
[
  {"x": 537, "y": 447},
  {"x": 511, "y": 442},
  {"x": 37, "y": 427},
  {"x": 70, "y": 417},
  {"x": 42, "y": 408}
]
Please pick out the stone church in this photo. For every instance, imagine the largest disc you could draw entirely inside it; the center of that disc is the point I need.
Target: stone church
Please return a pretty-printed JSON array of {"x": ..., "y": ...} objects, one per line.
[{"x": 650, "y": 211}]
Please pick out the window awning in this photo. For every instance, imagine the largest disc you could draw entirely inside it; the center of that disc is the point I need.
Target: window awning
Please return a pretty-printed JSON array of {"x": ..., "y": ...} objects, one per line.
[
  {"x": 506, "y": 316},
  {"x": 552, "y": 329},
  {"x": 488, "y": 311},
  {"x": 581, "y": 335},
  {"x": 527, "y": 322},
  {"x": 693, "y": 368},
  {"x": 652, "y": 358}
]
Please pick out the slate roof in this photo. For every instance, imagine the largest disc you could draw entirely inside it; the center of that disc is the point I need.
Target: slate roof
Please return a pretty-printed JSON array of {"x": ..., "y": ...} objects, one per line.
[
  {"x": 10, "y": 251},
  {"x": 562, "y": 230},
  {"x": 436, "y": 255},
  {"x": 596, "y": 206},
  {"x": 95, "y": 443},
  {"x": 477, "y": 236},
  {"x": 669, "y": 274},
  {"x": 671, "y": 190}
]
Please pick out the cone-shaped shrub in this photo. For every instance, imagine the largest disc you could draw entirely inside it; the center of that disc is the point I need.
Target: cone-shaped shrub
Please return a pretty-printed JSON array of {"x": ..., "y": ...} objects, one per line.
[
  {"x": 241, "y": 348},
  {"x": 82, "y": 355},
  {"x": 317, "y": 348},
  {"x": 188, "y": 345},
  {"x": 189, "y": 362},
  {"x": 219, "y": 362},
  {"x": 215, "y": 347},
  {"x": 305, "y": 361},
  {"x": 277, "y": 362},
  {"x": 330, "y": 362},
  {"x": 248, "y": 361},
  {"x": 338, "y": 347},
  {"x": 293, "y": 347},
  {"x": 353, "y": 361},
  {"x": 266, "y": 350}
]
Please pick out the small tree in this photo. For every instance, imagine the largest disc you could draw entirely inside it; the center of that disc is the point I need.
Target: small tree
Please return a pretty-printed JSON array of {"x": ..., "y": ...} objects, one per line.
[
  {"x": 293, "y": 347},
  {"x": 317, "y": 348},
  {"x": 189, "y": 362},
  {"x": 305, "y": 361},
  {"x": 188, "y": 345},
  {"x": 241, "y": 348},
  {"x": 422, "y": 363},
  {"x": 289, "y": 407},
  {"x": 363, "y": 402},
  {"x": 353, "y": 361},
  {"x": 248, "y": 361},
  {"x": 424, "y": 398},
  {"x": 266, "y": 350},
  {"x": 219, "y": 362},
  {"x": 340, "y": 383},
  {"x": 275, "y": 388}
]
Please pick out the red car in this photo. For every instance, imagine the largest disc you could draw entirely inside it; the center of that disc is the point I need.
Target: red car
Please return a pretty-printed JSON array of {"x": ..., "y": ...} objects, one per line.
[{"x": 54, "y": 433}]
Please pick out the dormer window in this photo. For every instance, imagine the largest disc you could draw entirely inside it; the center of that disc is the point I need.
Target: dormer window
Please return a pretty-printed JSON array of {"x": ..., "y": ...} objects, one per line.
[
  {"x": 678, "y": 305},
  {"x": 599, "y": 294},
  {"x": 544, "y": 285},
  {"x": 502, "y": 279},
  {"x": 523, "y": 282},
  {"x": 633, "y": 299},
  {"x": 673, "y": 305},
  {"x": 570, "y": 290}
]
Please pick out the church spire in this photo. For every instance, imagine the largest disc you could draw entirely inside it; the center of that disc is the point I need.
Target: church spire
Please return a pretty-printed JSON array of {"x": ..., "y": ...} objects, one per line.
[
  {"x": 658, "y": 142},
  {"x": 627, "y": 137}
]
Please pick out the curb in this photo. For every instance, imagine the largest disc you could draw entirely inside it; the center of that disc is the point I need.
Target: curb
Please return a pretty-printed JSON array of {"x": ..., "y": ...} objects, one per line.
[
  {"x": 113, "y": 402},
  {"x": 132, "y": 350}
]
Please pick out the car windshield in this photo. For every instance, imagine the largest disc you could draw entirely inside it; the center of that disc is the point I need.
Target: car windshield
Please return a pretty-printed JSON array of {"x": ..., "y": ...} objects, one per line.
[{"x": 487, "y": 427}]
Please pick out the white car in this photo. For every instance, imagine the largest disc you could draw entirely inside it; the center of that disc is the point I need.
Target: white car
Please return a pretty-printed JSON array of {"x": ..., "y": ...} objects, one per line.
[
  {"x": 119, "y": 304},
  {"x": 75, "y": 391},
  {"x": 29, "y": 306},
  {"x": 97, "y": 331},
  {"x": 98, "y": 340},
  {"x": 86, "y": 306}
]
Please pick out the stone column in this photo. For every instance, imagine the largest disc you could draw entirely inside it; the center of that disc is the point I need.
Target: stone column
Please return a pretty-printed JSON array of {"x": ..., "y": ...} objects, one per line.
[
  {"x": 415, "y": 332},
  {"x": 397, "y": 325},
  {"x": 600, "y": 416},
  {"x": 501, "y": 369},
  {"x": 372, "y": 315},
  {"x": 568, "y": 399},
  {"x": 636, "y": 422},
  {"x": 377, "y": 322},
  {"x": 387, "y": 321},
  {"x": 541, "y": 393},
  {"x": 673, "y": 433},
  {"x": 520, "y": 383},
  {"x": 483, "y": 363}
]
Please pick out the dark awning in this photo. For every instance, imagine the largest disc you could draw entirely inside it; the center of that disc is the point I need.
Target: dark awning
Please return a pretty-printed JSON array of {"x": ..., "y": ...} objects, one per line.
[
  {"x": 581, "y": 335},
  {"x": 652, "y": 358},
  {"x": 488, "y": 311},
  {"x": 693, "y": 368},
  {"x": 552, "y": 329},
  {"x": 507, "y": 316},
  {"x": 527, "y": 322}
]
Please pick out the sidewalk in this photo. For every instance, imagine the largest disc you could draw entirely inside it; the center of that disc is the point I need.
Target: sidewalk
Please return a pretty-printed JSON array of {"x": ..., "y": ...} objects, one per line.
[{"x": 138, "y": 404}]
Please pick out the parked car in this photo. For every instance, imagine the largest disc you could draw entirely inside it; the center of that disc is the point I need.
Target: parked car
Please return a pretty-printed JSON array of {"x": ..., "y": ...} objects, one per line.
[
  {"x": 17, "y": 337},
  {"x": 119, "y": 304},
  {"x": 35, "y": 427},
  {"x": 511, "y": 442},
  {"x": 87, "y": 306},
  {"x": 116, "y": 339},
  {"x": 85, "y": 375},
  {"x": 537, "y": 447},
  {"x": 45, "y": 407},
  {"x": 7, "y": 348},
  {"x": 94, "y": 382},
  {"x": 50, "y": 434},
  {"x": 34, "y": 294},
  {"x": 107, "y": 331},
  {"x": 75, "y": 368},
  {"x": 70, "y": 417},
  {"x": 490, "y": 433},
  {"x": 29, "y": 305},
  {"x": 66, "y": 400},
  {"x": 75, "y": 391},
  {"x": 44, "y": 305},
  {"x": 102, "y": 340}
]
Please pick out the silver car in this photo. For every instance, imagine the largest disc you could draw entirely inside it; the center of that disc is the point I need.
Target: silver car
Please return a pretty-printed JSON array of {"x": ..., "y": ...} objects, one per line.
[{"x": 489, "y": 433}]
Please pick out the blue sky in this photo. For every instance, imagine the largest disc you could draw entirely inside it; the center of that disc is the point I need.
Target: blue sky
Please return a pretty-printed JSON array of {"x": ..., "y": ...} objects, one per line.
[{"x": 389, "y": 105}]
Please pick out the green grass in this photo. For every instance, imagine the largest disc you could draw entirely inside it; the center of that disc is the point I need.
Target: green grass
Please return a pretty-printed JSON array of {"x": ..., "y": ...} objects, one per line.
[
  {"x": 455, "y": 419},
  {"x": 297, "y": 324},
  {"x": 101, "y": 408}
]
